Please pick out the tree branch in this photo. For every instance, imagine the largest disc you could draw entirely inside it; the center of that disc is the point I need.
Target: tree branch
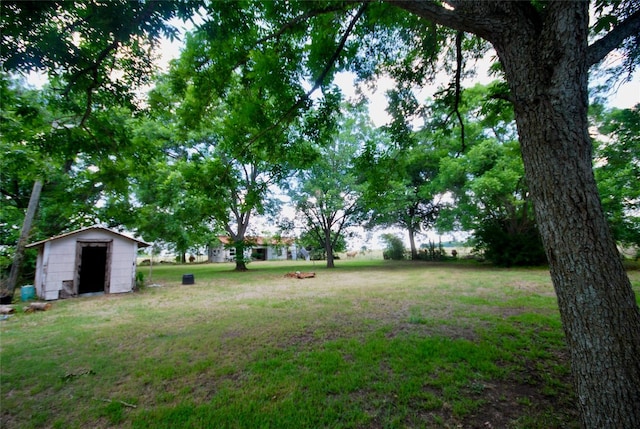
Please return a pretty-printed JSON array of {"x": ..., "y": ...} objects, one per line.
[
  {"x": 91, "y": 68},
  {"x": 601, "y": 47},
  {"x": 458, "y": 86},
  {"x": 286, "y": 116},
  {"x": 296, "y": 20},
  {"x": 481, "y": 18}
]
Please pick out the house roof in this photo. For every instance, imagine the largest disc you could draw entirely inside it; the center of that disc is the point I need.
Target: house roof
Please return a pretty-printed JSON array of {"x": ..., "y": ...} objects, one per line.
[
  {"x": 259, "y": 241},
  {"x": 90, "y": 228}
]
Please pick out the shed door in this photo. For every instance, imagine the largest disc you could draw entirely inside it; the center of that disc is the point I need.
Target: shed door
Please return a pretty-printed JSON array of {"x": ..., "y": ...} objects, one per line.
[{"x": 93, "y": 268}]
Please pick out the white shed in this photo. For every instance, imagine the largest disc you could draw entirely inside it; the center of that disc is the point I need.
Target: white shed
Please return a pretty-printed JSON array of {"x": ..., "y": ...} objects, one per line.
[{"x": 88, "y": 260}]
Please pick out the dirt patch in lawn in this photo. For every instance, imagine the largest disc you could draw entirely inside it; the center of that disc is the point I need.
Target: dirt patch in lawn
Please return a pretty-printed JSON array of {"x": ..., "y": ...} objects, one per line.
[{"x": 508, "y": 404}]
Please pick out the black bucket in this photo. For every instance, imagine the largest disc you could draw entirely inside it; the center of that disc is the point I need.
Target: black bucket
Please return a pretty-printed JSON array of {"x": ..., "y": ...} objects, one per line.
[{"x": 188, "y": 279}]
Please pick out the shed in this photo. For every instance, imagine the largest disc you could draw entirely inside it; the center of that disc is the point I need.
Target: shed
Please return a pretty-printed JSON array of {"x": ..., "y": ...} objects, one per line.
[{"x": 88, "y": 260}]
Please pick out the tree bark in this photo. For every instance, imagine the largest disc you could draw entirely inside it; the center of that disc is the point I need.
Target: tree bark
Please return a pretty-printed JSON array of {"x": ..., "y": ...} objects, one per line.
[
  {"x": 412, "y": 242},
  {"x": 24, "y": 236},
  {"x": 238, "y": 238},
  {"x": 241, "y": 265},
  {"x": 328, "y": 248},
  {"x": 547, "y": 71}
]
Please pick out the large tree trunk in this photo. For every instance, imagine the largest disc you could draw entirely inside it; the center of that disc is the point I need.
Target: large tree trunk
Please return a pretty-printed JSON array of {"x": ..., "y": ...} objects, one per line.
[
  {"x": 547, "y": 72},
  {"x": 16, "y": 266},
  {"x": 328, "y": 248},
  {"x": 241, "y": 264},
  {"x": 412, "y": 241}
]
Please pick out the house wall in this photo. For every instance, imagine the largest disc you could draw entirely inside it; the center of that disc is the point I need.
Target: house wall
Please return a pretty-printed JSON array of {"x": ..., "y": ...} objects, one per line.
[
  {"x": 57, "y": 263},
  {"x": 222, "y": 254},
  {"x": 276, "y": 253}
]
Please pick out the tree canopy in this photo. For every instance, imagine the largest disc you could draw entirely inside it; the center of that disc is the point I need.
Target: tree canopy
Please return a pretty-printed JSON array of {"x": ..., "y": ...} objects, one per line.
[{"x": 326, "y": 194}]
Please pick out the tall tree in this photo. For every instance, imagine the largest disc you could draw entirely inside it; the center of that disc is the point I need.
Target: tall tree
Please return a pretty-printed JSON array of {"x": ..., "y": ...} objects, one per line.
[
  {"x": 544, "y": 51},
  {"x": 399, "y": 183},
  {"x": 326, "y": 193},
  {"x": 73, "y": 166},
  {"x": 95, "y": 54},
  {"x": 230, "y": 155},
  {"x": 486, "y": 179}
]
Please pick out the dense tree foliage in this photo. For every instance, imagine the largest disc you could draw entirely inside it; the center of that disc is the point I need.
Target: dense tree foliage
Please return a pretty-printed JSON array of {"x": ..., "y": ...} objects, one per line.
[
  {"x": 486, "y": 178},
  {"x": 94, "y": 49},
  {"x": 400, "y": 189},
  {"x": 77, "y": 165},
  {"x": 393, "y": 247},
  {"x": 209, "y": 179},
  {"x": 326, "y": 194},
  {"x": 617, "y": 169}
]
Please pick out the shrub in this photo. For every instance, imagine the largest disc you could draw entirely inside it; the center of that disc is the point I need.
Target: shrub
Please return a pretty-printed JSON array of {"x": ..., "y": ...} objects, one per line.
[
  {"x": 506, "y": 243},
  {"x": 432, "y": 252},
  {"x": 394, "y": 248},
  {"x": 139, "y": 280}
]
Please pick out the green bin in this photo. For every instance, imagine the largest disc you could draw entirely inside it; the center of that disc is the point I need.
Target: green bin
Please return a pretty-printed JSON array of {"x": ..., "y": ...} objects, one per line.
[{"x": 27, "y": 292}]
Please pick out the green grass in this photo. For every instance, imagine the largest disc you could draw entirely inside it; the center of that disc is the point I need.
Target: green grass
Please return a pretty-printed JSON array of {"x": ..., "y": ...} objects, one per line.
[{"x": 368, "y": 344}]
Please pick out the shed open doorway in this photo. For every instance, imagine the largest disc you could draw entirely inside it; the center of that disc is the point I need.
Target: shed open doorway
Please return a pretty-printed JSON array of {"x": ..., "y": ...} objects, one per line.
[{"x": 93, "y": 268}]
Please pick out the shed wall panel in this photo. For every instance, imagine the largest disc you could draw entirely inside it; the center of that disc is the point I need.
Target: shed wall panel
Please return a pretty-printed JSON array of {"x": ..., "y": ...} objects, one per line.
[
  {"x": 59, "y": 265},
  {"x": 123, "y": 265}
]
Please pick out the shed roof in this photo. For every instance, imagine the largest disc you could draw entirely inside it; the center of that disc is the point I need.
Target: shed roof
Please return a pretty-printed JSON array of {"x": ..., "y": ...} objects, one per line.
[{"x": 90, "y": 228}]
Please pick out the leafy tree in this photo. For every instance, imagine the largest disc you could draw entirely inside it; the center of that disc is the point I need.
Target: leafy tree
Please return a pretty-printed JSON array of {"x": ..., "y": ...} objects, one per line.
[
  {"x": 45, "y": 149},
  {"x": 326, "y": 194},
  {"x": 95, "y": 55},
  {"x": 400, "y": 185},
  {"x": 617, "y": 168},
  {"x": 90, "y": 48},
  {"x": 313, "y": 240},
  {"x": 545, "y": 53},
  {"x": 166, "y": 212},
  {"x": 228, "y": 156},
  {"x": 486, "y": 180}
]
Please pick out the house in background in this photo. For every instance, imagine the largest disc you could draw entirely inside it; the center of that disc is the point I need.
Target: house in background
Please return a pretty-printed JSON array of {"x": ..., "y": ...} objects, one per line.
[
  {"x": 261, "y": 249},
  {"x": 88, "y": 260}
]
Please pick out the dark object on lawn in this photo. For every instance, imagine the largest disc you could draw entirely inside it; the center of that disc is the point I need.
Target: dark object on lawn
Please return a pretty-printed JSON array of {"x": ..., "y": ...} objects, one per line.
[
  {"x": 300, "y": 275},
  {"x": 188, "y": 279}
]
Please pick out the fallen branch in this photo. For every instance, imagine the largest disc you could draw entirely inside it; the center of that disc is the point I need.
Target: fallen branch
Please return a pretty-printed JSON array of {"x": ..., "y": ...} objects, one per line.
[
  {"x": 72, "y": 375},
  {"x": 6, "y": 309},
  {"x": 37, "y": 306},
  {"x": 126, "y": 404},
  {"x": 300, "y": 275}
]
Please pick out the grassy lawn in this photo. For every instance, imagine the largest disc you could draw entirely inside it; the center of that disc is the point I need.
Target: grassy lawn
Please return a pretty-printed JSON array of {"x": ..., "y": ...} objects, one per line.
[{"x": 370, "y": 344}]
